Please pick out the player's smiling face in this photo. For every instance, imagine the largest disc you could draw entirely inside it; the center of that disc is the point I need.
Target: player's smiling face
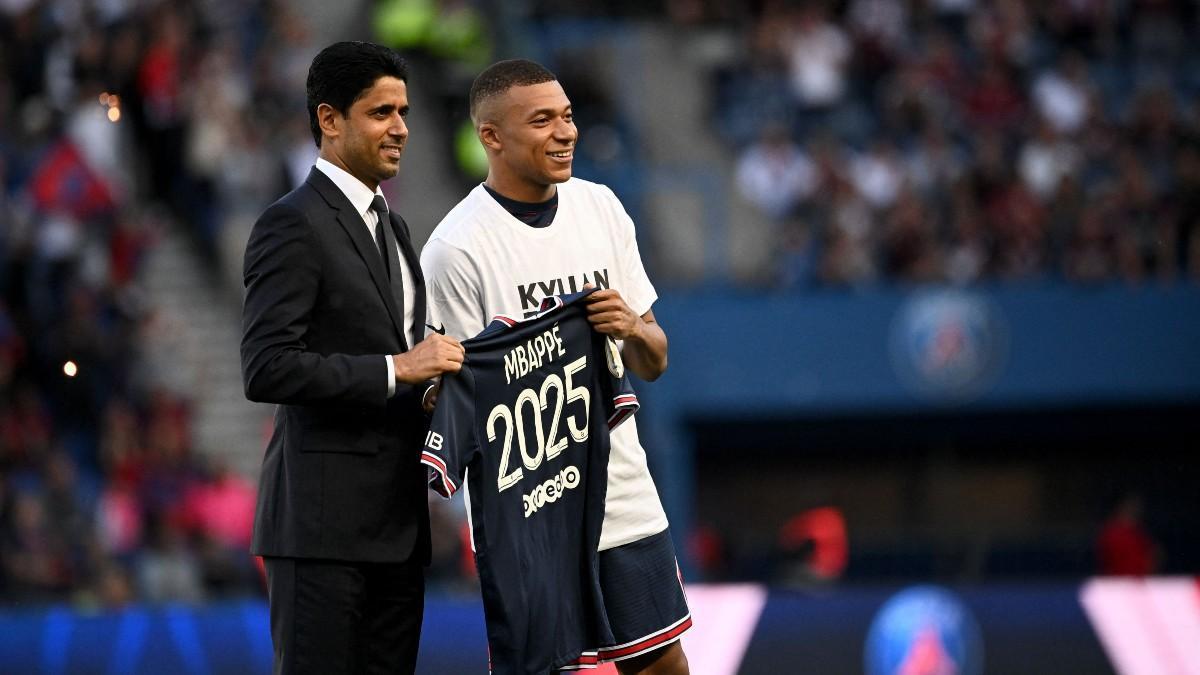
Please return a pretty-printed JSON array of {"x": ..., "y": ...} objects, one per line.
[
  {"x": 368, "y": 141},
  {"x": 534, "y": 137}
]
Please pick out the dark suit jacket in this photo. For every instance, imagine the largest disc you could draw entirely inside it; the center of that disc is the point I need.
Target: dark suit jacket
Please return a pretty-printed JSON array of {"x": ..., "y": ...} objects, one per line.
[{"x": 341, "y": 478}]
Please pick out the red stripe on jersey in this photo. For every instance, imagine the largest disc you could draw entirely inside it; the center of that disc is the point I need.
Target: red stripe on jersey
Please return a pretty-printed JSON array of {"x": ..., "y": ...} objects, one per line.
[
  {"x": 618, "y": 417},
  {"x": 506, "y": 320},
  {"x": 626, "y": 405},
  {"x": 447, "y": 486},
  {"x": 646, "y": 644}
]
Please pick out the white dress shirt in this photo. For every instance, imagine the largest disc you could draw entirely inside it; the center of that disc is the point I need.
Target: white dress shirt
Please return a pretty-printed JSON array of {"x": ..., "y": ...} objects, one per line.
[{"x": 361, "y": 197}]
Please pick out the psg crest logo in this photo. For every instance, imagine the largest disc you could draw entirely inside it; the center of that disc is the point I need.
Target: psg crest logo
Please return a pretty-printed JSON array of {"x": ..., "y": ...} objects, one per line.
[
  {"x": 924, "y": 630},
  {"x": 948, "y": 344}
]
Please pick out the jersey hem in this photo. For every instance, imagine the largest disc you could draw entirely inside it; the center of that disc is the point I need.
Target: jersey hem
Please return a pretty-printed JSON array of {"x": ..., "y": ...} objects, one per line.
[
  {"x": 588, "y": 660},
  {"x": 658, "y": 639}
]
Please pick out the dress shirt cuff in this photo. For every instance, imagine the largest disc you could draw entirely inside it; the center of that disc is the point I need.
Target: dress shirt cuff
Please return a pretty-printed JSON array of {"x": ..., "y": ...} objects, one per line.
[{"x": 391, "y": 375}]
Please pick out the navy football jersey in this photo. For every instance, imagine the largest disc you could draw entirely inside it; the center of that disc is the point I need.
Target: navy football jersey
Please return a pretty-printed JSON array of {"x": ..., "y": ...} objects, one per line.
[{"x": 526, "y": 421}]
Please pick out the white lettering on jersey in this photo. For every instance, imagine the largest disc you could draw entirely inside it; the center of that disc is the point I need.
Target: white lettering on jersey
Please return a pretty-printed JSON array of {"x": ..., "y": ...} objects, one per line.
[
  {"x": 433, "y": 440},
  {"x": 522, "y": 359},
  {"x": 549, "y": 491},
  {"x": 548, "y": 444}
]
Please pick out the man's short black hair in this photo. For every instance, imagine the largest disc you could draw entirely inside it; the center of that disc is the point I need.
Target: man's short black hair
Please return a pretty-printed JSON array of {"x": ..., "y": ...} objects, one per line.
[
  {"x": 343, "y": 71},
  {"x": 504, "y": 75}
]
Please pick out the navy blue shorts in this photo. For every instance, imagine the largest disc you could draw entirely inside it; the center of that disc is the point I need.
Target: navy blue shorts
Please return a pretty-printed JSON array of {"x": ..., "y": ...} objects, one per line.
[{"x": 643, "y": 596}]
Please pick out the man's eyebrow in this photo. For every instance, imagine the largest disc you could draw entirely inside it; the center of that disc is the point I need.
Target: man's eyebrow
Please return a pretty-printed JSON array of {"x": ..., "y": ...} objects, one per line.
[
  {"x": 387, "y": 107},
  {"x": 550, "y": 111}
]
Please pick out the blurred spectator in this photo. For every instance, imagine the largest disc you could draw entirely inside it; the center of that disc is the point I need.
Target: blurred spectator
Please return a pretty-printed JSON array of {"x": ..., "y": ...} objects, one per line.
[
  {"x": 968, "y": 249},
  {"x": 812, "y": 547},
  {"x": 34, "y": 563},
  {"x": 818, "y": 53},
  {"x": 1090, "y": 254},
  {"x": 706, "y": 550},
  {"x": 1018, "y": 220},
  {"x": 877, "y": 174},
  {"x": 848, "y": 249},
  {"x": 1046, "y": 159},
  {"x": 775, "y": 175},
  {"x": 913, "y": 253},
  {"x": 1124, "y": 547},
  {"x": 168, "y": 570},
  {"x": 1062, "y": 95},
  {"x": 934, "y": 163},
  {"x": 216, "y": 510},
  {"x": 114, "y": 589},
  {"x": 995, "y": 102},
  {"x": 878, "y": 28},
  {"x": 220, "y": 507}
]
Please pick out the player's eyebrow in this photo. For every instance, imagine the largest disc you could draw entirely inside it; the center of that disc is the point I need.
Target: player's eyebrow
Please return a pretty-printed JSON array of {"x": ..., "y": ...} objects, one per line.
[{"x": 551, "y": 111}]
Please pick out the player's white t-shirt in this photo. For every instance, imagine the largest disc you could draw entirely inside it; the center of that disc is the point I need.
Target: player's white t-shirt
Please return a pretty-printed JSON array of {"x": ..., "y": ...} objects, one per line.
[{"x": 481, "y": 262}]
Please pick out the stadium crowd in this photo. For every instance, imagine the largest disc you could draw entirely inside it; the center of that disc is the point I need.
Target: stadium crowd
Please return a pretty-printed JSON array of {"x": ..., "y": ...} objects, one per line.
[
  {"x": 963, "y": 141},
  {"x": 118, "y": 120}
]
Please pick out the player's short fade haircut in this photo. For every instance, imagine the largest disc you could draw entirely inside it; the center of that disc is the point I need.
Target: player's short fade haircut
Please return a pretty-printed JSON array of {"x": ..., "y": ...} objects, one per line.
[
  {"x": 341, "y": 72},
  {"x": 504, "y": 75}
]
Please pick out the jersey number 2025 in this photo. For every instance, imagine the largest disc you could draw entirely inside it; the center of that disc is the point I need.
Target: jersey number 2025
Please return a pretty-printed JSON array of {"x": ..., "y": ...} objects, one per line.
[{"x": 548, "y": 444}]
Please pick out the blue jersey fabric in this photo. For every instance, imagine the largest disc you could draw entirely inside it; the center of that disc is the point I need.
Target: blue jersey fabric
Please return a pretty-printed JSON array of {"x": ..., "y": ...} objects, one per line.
[{"x": 527, "y": 422}]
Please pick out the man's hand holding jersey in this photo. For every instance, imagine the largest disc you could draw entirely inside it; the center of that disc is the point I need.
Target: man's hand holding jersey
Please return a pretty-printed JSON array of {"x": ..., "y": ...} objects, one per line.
[
  {"x": 434, "y": 355},
  {"x": 645, "y": 343}
]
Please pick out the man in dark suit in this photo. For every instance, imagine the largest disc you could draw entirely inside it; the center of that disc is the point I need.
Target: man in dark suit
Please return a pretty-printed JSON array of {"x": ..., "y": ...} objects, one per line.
[{"x": 332, "y": 332}]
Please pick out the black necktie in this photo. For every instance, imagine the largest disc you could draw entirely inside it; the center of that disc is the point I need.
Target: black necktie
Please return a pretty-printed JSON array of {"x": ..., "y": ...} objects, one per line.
[{"x": 386, "y": 241}]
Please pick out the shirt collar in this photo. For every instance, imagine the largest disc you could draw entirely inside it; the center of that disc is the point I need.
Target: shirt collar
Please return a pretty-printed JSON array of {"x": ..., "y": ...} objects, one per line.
[{"x": 360, "y": 195}]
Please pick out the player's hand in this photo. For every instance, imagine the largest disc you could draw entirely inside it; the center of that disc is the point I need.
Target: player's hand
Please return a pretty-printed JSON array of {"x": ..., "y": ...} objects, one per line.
[
  {"x": 429, "y": 400},
  {"x": 608, "y": 314},
  {"x": 434, "y": 355}
]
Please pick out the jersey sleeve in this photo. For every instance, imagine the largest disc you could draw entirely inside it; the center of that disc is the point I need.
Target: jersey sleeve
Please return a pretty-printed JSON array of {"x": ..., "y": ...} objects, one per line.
[
  {"x": 452, "y": 291},
  {"x": 620, "y": 399},
  {"x": 451, "y": 444},
  {"x": 635, "y": 286}
]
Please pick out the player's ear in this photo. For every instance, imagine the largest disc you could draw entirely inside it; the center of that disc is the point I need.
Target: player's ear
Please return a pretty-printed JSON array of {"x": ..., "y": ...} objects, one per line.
[
  {"x": 489, "y": 135},
  {"x": 327, "y": 118}
]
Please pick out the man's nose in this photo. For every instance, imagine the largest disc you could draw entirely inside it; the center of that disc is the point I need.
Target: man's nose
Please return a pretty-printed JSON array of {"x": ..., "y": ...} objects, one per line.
[{"x": 566, "y": 131}]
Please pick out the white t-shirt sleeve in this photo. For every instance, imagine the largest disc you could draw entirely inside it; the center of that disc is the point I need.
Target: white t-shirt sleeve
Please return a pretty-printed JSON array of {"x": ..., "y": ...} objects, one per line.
[
  {"x": 454, "y": 298},
  {"x": 635, "y": 285}
]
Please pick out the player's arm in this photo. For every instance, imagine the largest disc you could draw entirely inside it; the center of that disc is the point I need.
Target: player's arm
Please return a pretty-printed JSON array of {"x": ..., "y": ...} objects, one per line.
[{"x": 645, "y": 342}]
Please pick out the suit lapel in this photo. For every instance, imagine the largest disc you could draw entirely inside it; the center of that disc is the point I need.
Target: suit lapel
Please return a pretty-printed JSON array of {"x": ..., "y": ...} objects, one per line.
[
  {"x": 404, "y": 237},
  {"x": 354, "y": 226}
]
